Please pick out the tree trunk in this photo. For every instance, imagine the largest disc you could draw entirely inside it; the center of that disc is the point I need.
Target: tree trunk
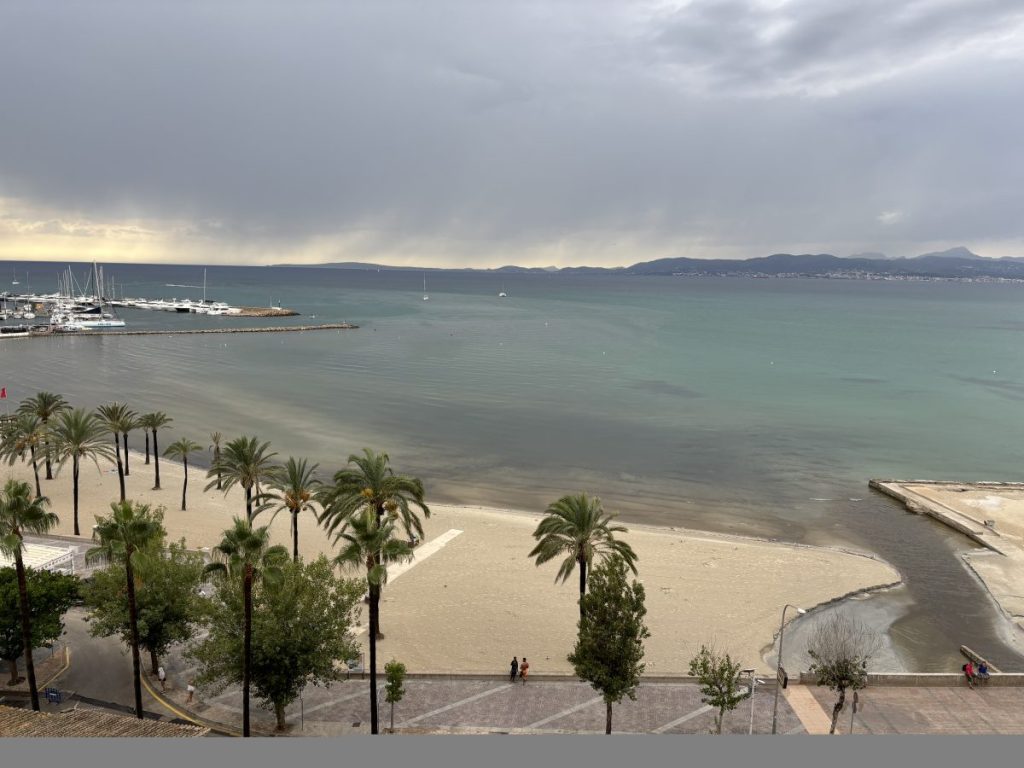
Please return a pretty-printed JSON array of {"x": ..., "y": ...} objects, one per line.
[
  {"x": 156, "y": 462},
  {"x": 35, "y": 471},
  {"x": 608, "y": 717},
  {"x": 184, "y": 486},
  {"x": 120, "y": 466},
  {"x": 146, "y": 433},
  {"x": 154, "y": 662},
  {"x": 216, "y": 461},
  {"x": 392, "y": 717},
  {"x": 282, "y": 724},
  {"x": 583, "y": 581},
  {"x": 127, "y": 471},
  {"x": 374, "y": 621},
  {"x": 46, "y": 442},
  {"x": 248, "y": 504},
  {"x": 247, "y": 648},
  {"x": 26, "y": 624},
  {"x": 719, "y": 720},
  {"x": 133, "y": 621},
  {"x": 295, "y": 535},
  {"x": 13, "y": 666},
  {"x": 837, "y": 709},
  {"x": 74, "y": 495}
]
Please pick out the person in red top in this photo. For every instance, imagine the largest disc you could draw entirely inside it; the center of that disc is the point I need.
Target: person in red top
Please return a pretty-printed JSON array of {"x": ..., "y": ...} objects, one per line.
[
  {"x": 968, "y": 669},
  {"x": 524, "y": 670}
]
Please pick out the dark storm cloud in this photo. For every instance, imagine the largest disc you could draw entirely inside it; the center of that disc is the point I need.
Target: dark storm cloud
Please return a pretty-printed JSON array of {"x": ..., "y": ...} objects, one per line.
[{"x": 550, "y": 130}]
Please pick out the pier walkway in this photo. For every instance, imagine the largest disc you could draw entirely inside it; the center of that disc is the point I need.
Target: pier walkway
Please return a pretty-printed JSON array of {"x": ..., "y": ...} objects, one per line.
[{"x": 192, "y": 331}]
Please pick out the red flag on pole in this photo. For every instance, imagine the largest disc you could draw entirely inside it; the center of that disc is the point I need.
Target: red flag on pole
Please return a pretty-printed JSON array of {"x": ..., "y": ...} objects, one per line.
[{"x": 3, "y": 393}]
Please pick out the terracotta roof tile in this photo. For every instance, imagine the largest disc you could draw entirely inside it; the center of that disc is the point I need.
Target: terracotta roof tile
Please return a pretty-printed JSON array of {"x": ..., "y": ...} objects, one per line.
[{"x": 87, "y": 723}]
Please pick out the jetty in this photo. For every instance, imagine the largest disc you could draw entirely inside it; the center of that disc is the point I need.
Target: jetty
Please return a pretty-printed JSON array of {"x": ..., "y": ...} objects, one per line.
[{"x": 194, "y": 331}]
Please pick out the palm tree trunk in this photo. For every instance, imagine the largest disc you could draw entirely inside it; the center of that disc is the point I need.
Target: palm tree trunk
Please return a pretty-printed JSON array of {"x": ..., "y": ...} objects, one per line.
[
  {"x": 13, "y": 666},
  {"x": 35, "y": 471},
  {"x": 26, "y": 625},
  {"x": 154, "y": 662},
  {"x": 49, "y": 469},
  {"x": 608, "y": 717},
  {"x": 295, "y": 535},
  {"x": 74, "y": 494},
  {"x": 583, "y": 581},
  {"x": 248, "y": 504},
  {"x": 127, "y": 471},
  {"x": 247, "y": 648},
  {"x": 120, "y": 466},
  {"x": 156, "y": 462},
  {"x": 216, "y": 461},
  {"x": 184, "y": 486},
  {"x": 146, "y": 433},
  {"x": 374, "y": 621},
  {"x": 837, "y": 709},
  {"x": 133, "y": 621}
]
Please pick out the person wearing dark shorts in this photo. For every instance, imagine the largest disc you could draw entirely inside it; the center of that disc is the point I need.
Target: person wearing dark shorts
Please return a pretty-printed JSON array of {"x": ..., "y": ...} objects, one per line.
[{"x": 514, "y": 670}]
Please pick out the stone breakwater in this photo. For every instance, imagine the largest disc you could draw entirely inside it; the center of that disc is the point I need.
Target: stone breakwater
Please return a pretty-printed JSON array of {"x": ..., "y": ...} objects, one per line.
[
  {"x": 264, "y": 312},
  {"x": 184, "y": 332}
]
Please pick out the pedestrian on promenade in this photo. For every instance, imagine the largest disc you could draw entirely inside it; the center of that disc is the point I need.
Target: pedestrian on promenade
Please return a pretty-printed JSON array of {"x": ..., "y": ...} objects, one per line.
[
  {"x": 983, "y": 673},
  {"x": 968, "y": 669},
  {"x": 524, "y": 670},
  {"x": 514, "y": 670},
  {"x": 162, "y": 675},
  {"x": 191, "y": 691}
]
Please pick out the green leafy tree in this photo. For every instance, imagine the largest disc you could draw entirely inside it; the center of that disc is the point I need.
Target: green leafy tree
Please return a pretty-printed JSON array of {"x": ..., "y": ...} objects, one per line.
[
  {"x": 394, "y": 688},
  {"x": 49, "y": 596},
  {"x": 180, "y": 449},
  {"x": 22, "y": 435},
  {"x": 20, "y": 513},
  {"x": 169, "y": 608},
  {"x": 840, "y": 647},
  {"x": 609, "y": 649},
  {"x": 577, "y": 527},
  {"x": 301, "y": 632},
  {"x": 718, "y": 677},
  {"x": 45, "y": 405},
  {"x": 154, "y": 422},
  {"x": 293, "y": 487},
  {"x": 246, "y": 559},
  {"x": 115, "y": 417},
  {"x": 125, "y": 538},
  {"x": 78, "y": 435},
  {"x": 244, "y": 461},
  {"x": 369, "y": 542}
]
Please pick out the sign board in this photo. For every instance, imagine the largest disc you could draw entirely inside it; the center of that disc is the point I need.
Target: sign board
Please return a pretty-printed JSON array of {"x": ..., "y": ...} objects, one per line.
[{"x": 782, "y": 677}]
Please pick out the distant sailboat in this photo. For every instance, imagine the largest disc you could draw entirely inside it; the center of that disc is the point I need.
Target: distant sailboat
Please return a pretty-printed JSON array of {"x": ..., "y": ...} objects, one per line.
[
  {"x": 502, "y": 294},
  {"x": 14, "y": 278},
  {"x": 425, "y": 296}
]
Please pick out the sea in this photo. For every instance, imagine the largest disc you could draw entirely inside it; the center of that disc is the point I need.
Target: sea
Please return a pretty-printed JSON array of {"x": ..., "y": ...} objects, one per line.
[{"x": 750, "y": 406}]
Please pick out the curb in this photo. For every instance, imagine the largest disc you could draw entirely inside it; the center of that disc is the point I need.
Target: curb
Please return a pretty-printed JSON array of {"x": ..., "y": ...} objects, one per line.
[{"x": 189, "y": 716}]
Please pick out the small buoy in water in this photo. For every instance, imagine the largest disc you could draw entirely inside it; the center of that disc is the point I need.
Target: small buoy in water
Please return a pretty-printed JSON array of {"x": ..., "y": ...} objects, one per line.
[{"x": 772, "y": 363}]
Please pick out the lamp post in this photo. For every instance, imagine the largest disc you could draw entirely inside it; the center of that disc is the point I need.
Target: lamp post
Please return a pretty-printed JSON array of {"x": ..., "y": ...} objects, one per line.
[
  {"x": 753, "y": 688},
  {"x": 778, "y": 665}
]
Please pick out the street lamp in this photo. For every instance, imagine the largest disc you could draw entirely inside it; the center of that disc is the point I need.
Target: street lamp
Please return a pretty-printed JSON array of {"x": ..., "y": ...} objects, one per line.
[
  {"x": 753, "y": 688},
  {"x": 778, "y": 664}
]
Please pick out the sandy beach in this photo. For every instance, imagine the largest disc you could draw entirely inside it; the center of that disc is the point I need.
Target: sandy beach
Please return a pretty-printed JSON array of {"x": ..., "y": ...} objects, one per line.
[{"x": 473, "y": 599}]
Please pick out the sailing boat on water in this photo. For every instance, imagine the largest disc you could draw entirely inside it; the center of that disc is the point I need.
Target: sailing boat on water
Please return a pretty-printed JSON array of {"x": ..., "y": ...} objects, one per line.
[
  {"x": 14, "y": 277},
  {"x": 425, "y": 296},
  {"x": 501, "y": 293}
]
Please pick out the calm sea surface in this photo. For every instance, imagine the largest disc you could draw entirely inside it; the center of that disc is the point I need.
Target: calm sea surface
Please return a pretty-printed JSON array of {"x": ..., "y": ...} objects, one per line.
[{"x": 748, "y": 406}]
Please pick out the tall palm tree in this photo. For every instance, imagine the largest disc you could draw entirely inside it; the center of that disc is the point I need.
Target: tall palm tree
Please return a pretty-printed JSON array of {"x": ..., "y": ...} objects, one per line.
[
  {"x": 180, "y": 449},
  {"x": 131, "y": 423},
  {"x": 145, "y": 423},
  {"x": 244, "y": 461},
  {"x": 20, "y": 513},
  {"x": 45, "y": 405},
  {"x": 154, "y": 422},
  {"x": 216, "y": 438},
  {"x": 79, "y": 435},
  {"x": 246, "y": 553},
  {"x": 371, "y": 483},
  {"x": 369, "y": 541},
  {"x": 115, "y": 417},
  {"x": 130, "y": 530},
  {"x": 294, "y": 487},
  {"x": 576, "y": 526},
  {"x": 25, "y": 433}
]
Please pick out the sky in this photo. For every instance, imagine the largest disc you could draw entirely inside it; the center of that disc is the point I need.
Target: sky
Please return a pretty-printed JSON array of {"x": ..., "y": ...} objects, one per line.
[{"x": 483, "y": 133}]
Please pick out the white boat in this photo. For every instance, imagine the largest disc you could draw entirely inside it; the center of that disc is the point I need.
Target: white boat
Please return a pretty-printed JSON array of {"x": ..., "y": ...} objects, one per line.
[{"x": 425, "y": 296}]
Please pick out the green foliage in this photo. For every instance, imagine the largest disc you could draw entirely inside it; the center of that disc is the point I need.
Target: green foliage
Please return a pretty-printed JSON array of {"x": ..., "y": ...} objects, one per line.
[
  {"x": 246, "y": 462},
  {"x": 169, "y": 606},
  {"x": 301, "y": 632},
  {"x": 718, "y": 677},
  {"x": 394, "y": 690},
  {"x": 49, "y": 594},
  {"x": 609, "y": 649}
]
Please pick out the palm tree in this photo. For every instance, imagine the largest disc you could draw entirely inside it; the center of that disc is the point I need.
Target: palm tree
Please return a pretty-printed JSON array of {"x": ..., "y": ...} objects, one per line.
[
  {"x": 26, "y": 432},
  {"x": 145, "y": 423},
  {"x": 294, "y": 486},
  {"x": 369, "y": 541},
  {"x": 180, "y": 449},
  {"x": 79, "y": 435},
  {"x": 245, "y": 552},
  {"x": 216, "y": 438},
  {"x": 131, "y": 422},
  {"x": 245, "y": 462},
  {"x": 45, "y": 405},
  {"x": 577, "y": 527},
  {"x": 115, "y": 417},
  {"x": 156, "y": 421},
  {"x": 20, "y": 513},
  {"x": 129, "y": 531},
  {"x": 372, "y": 484}
]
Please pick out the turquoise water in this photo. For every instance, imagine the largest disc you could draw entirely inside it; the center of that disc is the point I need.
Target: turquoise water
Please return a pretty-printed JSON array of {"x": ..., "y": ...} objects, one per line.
[{"x": 754, "y": 406}]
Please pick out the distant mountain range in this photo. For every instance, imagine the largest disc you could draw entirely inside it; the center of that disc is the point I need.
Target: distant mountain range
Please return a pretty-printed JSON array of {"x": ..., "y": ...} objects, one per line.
[{"x": 953, "y": 263}]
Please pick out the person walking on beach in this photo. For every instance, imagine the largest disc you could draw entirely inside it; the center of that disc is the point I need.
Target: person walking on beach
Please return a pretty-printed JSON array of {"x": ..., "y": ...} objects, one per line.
[
  {"x": 514, "y": 670},
  {"x": 162, "y": 675},
  {"x": 524, "y": 670}
]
